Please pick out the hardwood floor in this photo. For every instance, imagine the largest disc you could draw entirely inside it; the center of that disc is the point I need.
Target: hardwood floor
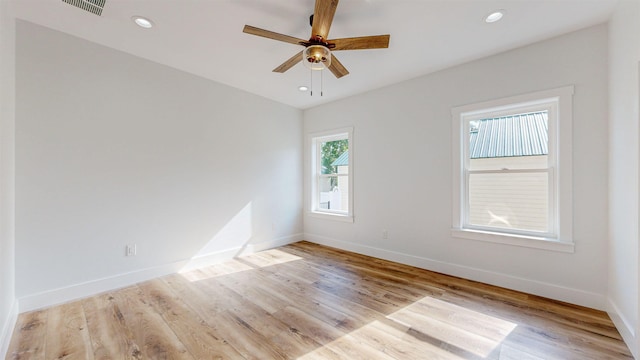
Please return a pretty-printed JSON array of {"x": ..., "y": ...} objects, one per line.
[{"x": 312, "y": 302}]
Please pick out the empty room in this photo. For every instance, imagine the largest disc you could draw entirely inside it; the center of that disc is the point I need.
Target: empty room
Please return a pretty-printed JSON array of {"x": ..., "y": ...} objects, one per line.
[{"x": 319, "y": 179}]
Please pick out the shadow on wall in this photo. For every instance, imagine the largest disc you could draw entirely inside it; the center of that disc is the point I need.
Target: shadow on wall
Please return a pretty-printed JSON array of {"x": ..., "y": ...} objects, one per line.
[{"x": 234, "y": 237}]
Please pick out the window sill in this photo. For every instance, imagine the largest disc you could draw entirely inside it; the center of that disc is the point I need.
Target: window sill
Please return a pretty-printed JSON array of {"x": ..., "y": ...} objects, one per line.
[
  {"x": 330, "y": 216},
  {"x": 516, "y": 240}
]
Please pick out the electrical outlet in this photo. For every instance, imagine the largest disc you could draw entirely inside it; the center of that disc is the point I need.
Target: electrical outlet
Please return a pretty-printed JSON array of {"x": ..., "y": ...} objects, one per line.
[
  {"x": 131, "y": 250},
  {"x": 385, "y": 234}
]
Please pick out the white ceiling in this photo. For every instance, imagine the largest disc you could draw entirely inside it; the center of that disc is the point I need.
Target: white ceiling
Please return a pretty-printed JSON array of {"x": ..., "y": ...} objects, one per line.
[{"x": 204, "y": 37}]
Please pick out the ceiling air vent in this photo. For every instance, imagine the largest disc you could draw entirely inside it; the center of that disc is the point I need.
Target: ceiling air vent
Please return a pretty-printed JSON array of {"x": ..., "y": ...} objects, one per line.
[{"x": 92, "y": 6}]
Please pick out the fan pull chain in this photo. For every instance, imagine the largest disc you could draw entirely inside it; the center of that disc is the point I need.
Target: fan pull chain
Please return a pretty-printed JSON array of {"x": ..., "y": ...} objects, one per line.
[{"x": 311, "y": 82}]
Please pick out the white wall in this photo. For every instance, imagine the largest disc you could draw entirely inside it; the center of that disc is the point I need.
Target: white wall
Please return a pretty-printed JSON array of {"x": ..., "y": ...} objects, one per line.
[
  {"x": 8, "y": 303},
  {"x": 113, "y": 150},
  {"x": 624, "y": 47},
  {"x": 407, "y": 126}
]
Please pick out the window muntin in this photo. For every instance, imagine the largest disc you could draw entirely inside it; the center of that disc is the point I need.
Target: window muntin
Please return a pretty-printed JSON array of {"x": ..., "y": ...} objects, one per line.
[{"x": 332, "y": 175}]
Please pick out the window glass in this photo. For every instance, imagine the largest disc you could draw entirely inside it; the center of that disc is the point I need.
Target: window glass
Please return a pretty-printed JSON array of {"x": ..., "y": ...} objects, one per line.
[
  {"x": 331, "y": 180},
  {"x": 508, "y": 172},
  {"x": 509, "y": 200},
  {"x": 509, "y": 142},
  {"x": 332, "y": 151}
]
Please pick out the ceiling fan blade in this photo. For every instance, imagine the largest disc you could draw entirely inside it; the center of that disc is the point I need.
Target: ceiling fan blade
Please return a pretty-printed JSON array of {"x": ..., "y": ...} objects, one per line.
[
  {"x": 361, "y": 43},
  {"x": 289, "y": 63},
  {"x": 322, "y": 17},
  {"x": 271, "y": 35},
  {"x": 337, "y": 68}
]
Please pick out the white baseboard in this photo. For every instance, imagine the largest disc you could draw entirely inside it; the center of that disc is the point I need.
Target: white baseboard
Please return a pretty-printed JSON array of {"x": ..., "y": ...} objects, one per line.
[
  {"x": 624, "y": 327},
  {"x": 210, "y": 259},
  {"x": 7, "y": 330},
  {"x": 574, "y": 296},
  {"x": 78, "y": 291},
  {"x": 264, "y": 245},
  {"x": 89, "y": 288},
  {"x": 219, "y": 256}
]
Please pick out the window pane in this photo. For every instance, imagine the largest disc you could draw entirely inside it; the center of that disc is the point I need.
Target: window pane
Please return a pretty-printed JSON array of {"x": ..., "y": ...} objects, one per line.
[
  {"x": 509, "y": 142},
  {"x": 334, "y": 193},
  {"x": 509, "y": 201},
  {"x": 334, "y": 156}
]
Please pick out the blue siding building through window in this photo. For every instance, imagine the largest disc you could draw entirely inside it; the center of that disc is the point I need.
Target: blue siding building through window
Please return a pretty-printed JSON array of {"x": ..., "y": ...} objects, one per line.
[{"x": 343, "y": 159}]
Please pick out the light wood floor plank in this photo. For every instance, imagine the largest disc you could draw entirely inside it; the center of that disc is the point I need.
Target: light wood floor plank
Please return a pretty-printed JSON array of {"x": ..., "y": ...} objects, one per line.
[
  {"x": 67, "y": 333},
  {"x": 305, "y": 301},
  {"x": 285, "y": 337},
  {"x": 246, "y": 285},
  {"x": 348, "y": 347},
  {"x": 192, "y": 293},
  {"x": 202, "y": 341},
  {"x": 247, "y": 340},
  {"x": 110, "y": 337},
  {"x": 30, "y": 336},
  {"x": 151, "y": 333},
  {"x": 389, "y": 339}
]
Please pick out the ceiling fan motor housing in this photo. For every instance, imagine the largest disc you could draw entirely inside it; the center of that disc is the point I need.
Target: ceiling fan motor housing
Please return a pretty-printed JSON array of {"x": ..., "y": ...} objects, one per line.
[{"x": 317, "y": 57}]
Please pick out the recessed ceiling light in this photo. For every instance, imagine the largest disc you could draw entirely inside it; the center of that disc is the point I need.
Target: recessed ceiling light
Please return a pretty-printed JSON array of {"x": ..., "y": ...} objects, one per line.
[
  {"x": 142, "y": 22},
  {"x": 303, "y": 88},
  {"x": 494, "y": 16}
]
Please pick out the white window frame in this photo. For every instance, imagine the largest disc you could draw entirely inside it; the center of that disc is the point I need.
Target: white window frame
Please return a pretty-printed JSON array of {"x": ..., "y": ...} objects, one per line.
[
  {"x": 559, "y": 104},
  {"x": 316, "y": 140}
]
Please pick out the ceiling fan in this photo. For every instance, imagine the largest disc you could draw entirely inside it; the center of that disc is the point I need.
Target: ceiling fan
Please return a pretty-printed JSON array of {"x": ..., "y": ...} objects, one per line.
[{"x": 318, "y": 48}]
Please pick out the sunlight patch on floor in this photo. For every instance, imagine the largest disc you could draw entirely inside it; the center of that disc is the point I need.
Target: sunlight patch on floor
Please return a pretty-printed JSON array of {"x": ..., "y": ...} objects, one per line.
[
  {"x": 243, "y": 263},
  {"x": 432, "y": 328},
  {"x": 465, "y": 329},
  {"x": 510, "y": 353},
  {"x": 379, "y": 340},
  {"x": 268, "y": 258}
]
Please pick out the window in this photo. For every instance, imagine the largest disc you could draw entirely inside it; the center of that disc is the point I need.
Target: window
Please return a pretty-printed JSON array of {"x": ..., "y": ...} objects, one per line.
[
  {"x": 332, "y": 159},
  {"x": 512, "y": 170}
]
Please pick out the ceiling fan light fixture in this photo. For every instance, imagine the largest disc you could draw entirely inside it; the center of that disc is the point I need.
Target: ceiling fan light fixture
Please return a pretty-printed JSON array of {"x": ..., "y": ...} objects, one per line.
[{"x": 316, "y": 57}]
